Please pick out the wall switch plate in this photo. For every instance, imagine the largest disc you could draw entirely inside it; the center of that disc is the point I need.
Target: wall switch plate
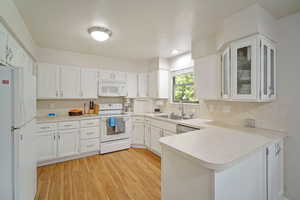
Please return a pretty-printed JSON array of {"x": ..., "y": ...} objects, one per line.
[{"x": 226, "y": 108}]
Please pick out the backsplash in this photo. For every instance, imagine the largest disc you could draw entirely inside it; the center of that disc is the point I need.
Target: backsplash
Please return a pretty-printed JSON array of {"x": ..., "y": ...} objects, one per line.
[
  {"x": 62, "y": 107},
  {"x": 267, "y": 115}
]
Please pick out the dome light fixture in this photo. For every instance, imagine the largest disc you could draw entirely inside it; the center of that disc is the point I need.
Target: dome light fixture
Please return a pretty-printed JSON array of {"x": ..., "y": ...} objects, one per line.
[
  {"x": 175, "y": 52},
  {"x": 100, "y": 33}
]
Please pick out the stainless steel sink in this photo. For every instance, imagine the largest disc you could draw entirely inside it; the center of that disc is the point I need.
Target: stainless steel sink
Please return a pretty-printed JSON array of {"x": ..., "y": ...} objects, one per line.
[{"x": 175, "y": 117}]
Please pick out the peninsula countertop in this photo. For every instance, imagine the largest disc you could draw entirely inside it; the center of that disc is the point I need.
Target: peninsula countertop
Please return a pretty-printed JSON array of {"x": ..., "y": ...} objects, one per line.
[{"x": 218, "y": 146}]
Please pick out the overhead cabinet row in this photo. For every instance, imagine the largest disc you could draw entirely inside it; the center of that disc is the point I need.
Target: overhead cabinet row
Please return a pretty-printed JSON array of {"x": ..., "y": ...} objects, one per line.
[
  {"x": 69, "y": 82},
  {"x": 66, "y": 82},
  {"x": 246, "y": 72}
]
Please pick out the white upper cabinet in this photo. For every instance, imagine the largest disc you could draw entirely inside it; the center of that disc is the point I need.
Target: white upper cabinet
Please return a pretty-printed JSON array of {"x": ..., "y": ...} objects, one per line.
[
  {"x": 268, "y": 70},
  {"x": 3, "y": 44},
  {"x": 132, "y": 85},
  {"x": 47, "y": 81},
  {"x": 14, "y": 54},
  {"x": 89, "y": 83},
  {"x": 249, "y": 70},
  {"x": 207, "y": 77},
  {"x": 143, "y": 85},
  {"x": 70, "y": 82},
  {"x": 244, "y": 69},
  {"x": 159, "y": 84},
  {"x": 225, "y": 74}
]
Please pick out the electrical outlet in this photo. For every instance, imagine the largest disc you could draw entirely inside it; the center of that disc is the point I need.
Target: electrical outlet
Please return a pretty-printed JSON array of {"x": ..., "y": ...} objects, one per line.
[{"x": 250, "y": 123}]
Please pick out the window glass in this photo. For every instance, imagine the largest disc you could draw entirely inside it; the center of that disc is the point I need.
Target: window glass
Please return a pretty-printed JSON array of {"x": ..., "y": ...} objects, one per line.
[{"x": 183, "y": 88}]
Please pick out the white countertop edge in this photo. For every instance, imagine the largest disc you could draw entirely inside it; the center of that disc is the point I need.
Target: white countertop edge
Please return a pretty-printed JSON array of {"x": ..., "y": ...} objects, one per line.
[
  {"x": 217, "y": 167},
  {"x": 65, "y": 118}
]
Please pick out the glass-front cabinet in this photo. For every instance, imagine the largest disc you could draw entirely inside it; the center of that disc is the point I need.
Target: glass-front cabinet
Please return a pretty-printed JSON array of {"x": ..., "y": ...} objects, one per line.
[
  {"x": 249, "y": 70},
  {"x": 268, "y": 70},
  {"x": 226, "y": 74},
  {"x": 244, "y": 66}
]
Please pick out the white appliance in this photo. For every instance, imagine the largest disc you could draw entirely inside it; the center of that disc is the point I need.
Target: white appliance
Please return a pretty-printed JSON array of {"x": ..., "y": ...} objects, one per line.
[
  {"x": 112, "y": 88},
  {"x": 115, "y": 135},
  {"x": 17, "y": 131}
]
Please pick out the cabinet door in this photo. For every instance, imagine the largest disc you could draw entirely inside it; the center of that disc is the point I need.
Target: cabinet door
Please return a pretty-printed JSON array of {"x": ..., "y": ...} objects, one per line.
[
  {"x": 132, "y": 85},
  {"x": 138, "y": 131},
  {"x": 147, "y": 136},
  {"x": 69, "y": 82},
  {"x": 46, "y": 146},
  {"x": 153, "y": 84},
  {"x": 163, "y": 84},
  {"x": 14, "y": 52},
  {"x": 226, "y": 75},
  {"x": 244, "y": 68},
  {"x": 268, "y": 70},
  {"x": 3, "y": 44},
  {"x": 275, "y": 171},
  {"x": 47, "y": 81},
  {"x": 156, "y": 134},
  {"x": 68, "y": 142},
  {"x": 143, "y": 85},
  {"x": 89, "y": 83},
  {"x": 120, "y": 76}
]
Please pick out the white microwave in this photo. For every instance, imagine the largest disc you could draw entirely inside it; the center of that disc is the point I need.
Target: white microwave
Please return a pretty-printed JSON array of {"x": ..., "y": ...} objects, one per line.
[{"x": 109, "y": 88}]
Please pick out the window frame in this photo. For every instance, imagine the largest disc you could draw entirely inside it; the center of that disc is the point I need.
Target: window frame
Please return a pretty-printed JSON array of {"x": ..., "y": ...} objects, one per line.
[{"x": 173, "y": 80}]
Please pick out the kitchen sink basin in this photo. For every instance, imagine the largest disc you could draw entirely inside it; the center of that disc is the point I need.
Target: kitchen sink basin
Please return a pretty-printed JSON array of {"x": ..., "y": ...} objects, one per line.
[{"x": 174, "y": 117}]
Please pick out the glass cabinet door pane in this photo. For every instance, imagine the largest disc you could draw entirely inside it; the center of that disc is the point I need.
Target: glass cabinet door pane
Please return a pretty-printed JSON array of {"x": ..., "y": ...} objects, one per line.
[
  {"x": 225, "y": 61},
  {"x": 244, "y": 71},
  {"x": 272, "y": 71},
  {"x": 265, "y": 68}
]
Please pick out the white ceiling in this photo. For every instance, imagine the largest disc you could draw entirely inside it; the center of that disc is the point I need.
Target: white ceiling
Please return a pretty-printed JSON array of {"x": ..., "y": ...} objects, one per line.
[{"x": 142, "y": 29}]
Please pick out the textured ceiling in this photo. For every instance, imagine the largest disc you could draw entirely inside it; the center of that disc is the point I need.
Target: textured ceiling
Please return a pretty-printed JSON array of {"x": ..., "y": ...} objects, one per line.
[{"x": 142, "y": 29}]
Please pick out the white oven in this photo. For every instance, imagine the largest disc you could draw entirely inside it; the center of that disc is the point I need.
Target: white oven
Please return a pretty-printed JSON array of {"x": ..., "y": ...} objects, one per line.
[
  {"x": 115, "y": 128},
  {"x": 119, "y": 130},
  {"x": 112, "y": 88}
]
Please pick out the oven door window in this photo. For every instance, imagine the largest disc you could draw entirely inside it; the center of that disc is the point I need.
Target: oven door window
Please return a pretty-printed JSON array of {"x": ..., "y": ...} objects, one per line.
[{"x": 118, "y": 129}]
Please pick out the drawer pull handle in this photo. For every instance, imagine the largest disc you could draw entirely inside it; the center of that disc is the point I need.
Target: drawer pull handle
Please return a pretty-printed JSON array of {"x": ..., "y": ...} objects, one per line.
[
  {"x": 91, "y": 145},
  {"x": 90, "y": 133}
]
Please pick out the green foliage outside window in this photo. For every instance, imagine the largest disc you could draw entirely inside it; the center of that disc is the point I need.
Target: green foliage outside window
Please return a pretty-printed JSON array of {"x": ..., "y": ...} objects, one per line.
[{"x": 183, "y": 88}]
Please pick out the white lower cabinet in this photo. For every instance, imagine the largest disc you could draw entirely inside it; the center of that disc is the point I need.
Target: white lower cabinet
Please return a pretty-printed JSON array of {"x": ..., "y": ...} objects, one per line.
[
  {"x": 46, "y": 145},
  {"x": 156, "y": 134},
  {"x": 138, "y": 135},
  {"x": 67, "y": 142},
  {"x": 147, "y": 136},
  {"x": 63, "y": 140}
]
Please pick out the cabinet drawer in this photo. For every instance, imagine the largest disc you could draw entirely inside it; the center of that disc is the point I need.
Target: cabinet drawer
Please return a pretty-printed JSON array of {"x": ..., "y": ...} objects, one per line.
[
  {"x": 68, "y": 125},
  {"x": 89, "y": 123},
  {"x": 46, "y": 127},
  {"x": 89, "y": 145},
  {"x": 88, "y": 133}
]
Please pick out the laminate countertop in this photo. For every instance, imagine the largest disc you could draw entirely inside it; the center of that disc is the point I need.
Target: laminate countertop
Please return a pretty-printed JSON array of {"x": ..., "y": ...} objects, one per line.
[
  {"x": 218, "y": 146},
  {"x": 65, "y": 118}
]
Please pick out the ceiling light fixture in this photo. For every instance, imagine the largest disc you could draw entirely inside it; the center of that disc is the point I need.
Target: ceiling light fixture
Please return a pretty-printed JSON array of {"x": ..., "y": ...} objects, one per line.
[
  {"x": 100, "y": 33},
  {"x": 175, "y": 51}
]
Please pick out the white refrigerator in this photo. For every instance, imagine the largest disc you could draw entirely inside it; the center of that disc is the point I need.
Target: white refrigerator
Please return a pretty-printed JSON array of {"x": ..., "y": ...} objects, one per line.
[{"x": 17, "y": 130}]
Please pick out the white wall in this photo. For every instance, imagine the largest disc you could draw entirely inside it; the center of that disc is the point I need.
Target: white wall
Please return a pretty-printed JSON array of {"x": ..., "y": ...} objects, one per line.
[
  {"x": 10, "y": 14},
  {"x": 288, "y": 60},
  {"x": 85, "y": 60},
  {"x": 181, "y": 61}
]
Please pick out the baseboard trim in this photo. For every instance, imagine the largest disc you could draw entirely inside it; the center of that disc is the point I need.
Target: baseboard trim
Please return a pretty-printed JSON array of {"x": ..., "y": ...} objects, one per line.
[{"x": 58, "y": 160}]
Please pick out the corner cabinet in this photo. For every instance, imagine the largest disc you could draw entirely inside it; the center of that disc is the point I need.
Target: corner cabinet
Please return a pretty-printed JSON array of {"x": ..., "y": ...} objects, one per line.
[{"x": 249, "y": 70}]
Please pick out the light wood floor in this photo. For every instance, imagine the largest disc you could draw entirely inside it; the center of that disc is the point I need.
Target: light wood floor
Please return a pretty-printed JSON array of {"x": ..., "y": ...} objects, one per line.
[{"x": 129, "y": 174}]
